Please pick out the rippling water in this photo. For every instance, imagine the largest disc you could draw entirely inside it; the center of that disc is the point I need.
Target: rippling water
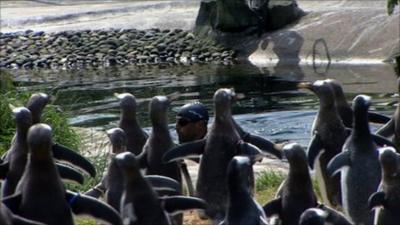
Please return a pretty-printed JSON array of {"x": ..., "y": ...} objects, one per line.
[{"x": 271, "y": 106}]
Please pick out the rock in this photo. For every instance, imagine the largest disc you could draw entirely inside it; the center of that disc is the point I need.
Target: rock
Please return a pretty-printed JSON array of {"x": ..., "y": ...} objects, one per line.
[{"x": 247, "y": 17}]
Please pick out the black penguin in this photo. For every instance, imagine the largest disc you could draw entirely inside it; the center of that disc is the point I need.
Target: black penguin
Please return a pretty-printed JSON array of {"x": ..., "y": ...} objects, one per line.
[
  {"x": 17, "y": 155},
  {"x": 329, "y": 135},
  {"x": 387, "y": 199},
  {"x": 159, "y": 141},
  {"x": 135, "y": 136},
  {"x": 41, "y": 195},
  {"x": 359, "y": 165},
  {"x": 344, "y": 109},
  {"x": 218, "y": 148},
  {"x": 392, "y": 127},
  {"x": 112, "y": 183},
  {"x": 242, "y": 208},
  {"x": 140, "y": 204},
  {"x": 297, "y": 192},
  {"x": 36, "y": 104}
]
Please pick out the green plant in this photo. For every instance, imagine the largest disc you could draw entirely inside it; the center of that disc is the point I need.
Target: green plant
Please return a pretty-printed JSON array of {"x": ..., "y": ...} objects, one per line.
[
  {"x": 391, "y": 4},
  {"x": 269, "y": 179},
  {"x": 267, "y": 183}
]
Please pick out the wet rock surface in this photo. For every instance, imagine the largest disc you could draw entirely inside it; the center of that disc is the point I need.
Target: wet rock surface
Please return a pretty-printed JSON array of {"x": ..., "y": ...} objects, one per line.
[{"x": 104, "y": 48}]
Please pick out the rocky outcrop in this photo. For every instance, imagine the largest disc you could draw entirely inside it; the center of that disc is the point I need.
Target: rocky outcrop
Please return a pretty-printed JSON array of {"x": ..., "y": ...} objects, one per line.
[{"x": 243, "y": 18}]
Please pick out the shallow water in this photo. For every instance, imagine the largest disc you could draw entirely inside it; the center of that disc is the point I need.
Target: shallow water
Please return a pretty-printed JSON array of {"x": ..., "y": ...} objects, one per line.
[{"x": 271, "y": 106}]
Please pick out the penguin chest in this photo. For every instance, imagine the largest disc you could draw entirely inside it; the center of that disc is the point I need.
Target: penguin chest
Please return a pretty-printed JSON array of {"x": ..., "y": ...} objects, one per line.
[
  {"x": 48, "y": 207},
  {"x": 156, "y": 147}
]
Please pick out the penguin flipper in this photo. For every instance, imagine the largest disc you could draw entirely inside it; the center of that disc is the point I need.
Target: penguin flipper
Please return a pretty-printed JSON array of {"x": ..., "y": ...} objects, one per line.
[
  {"x": 188, "y": 179},
  {"x": 264, "y": 144},
  {"x": 61, "y": 152},
  {"x": 97, "y": 191},
  {"x": 187, "y": 150},
  {"x": 387, "y": 129},
  {"x": 314, "y": 150},
  {"x": 142, "y": 159},
  {"x": 162, "y": 183},
  {"x": 69, "y": 173},
  {"x": 340, "y": 160},
  {"x": 377, "y": 199},
  {"x": 81, "y": 204},
  {"x": 378, "y": 118},
  {"x": 252, "y": 151},
  {"x": 273, "y": 207},
  {"x": 381, "y": 141},
  {"x": 4, "y": 156},
  {"x": 177, "y": 204},
  {"x": 4, "y": 168},
  {"x": 13, "y": 202}
]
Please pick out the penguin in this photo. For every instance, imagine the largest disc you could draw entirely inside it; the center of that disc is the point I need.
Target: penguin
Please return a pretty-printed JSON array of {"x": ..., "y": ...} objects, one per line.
[
  {"x": 386, "y": 201},
  {"x": 242, "y": 208},
  {"x": 112, "y": 183},
  {"x": 8, "y": 218},
  {"x": 220, "y": 145},
  {"x": 159, "y": 142},
  {"x": 41, "y": 196},
  {"x": 329, "y": 135},
  {"x": 392, "y": 127},
  {"x": 135, "y": 136},
  {"x": 344, "y": 109},
  {"x": 323, "y": 215},
  {"x": 18, "y": 154},
  {"x": 359, "y": 165},
  {"x": 297, "y": 194},
  {"x": 140, "y": 204},
  {"x": 36, "y": 104}
]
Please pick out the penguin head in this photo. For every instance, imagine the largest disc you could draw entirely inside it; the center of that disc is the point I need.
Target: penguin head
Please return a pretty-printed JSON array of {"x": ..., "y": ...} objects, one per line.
[
  {"x": 361, "y": 104},
  {"x": 158, "y": 107},
  {"x": 36, "y": 104},
  {"x": 23, "y": 118},
  {"x": 127, "y": 101},
  {"x": 390, "y": 163},
  {"x": 337, "y": 90},
  {"x": 240, "y": 170},
  {"x": 321, "y": 88},
  {"x": 313, "y": 216},
  {"x": 294, "y": 153},
  {"x": 128, "y": 164},
  {"x": 40, "y": 139},
  {"x": 224, "y": 96},
  {"x": 118, "y": 139}
]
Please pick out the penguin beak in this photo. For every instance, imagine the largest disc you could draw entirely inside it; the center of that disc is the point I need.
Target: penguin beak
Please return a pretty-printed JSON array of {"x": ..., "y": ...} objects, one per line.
[
  {"x": 174, "y": 96},
  {"x": 305, "y": 85}
]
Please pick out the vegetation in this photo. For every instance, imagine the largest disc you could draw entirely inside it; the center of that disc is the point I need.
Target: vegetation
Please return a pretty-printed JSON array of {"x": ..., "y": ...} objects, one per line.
[
  {"x": 391, "y": 4},
  {"x": 267, "y": 183},
  {"x": 62, "y": 133}
]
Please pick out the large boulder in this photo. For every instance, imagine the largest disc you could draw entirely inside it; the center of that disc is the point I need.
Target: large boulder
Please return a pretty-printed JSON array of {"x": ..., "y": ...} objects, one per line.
[{"x": 245, "y": 17}]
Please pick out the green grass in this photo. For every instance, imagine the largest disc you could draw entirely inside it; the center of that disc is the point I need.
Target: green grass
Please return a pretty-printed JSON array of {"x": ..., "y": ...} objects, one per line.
[{"x": 267, "y": 183}]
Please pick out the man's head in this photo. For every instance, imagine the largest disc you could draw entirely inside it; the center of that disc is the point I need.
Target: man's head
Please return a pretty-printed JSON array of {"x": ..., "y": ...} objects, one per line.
[{"x": 191, "y": 122}]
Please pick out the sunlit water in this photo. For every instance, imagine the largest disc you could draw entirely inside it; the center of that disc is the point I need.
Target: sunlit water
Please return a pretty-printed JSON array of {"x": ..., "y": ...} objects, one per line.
[{"x": 272, "y": 106}]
